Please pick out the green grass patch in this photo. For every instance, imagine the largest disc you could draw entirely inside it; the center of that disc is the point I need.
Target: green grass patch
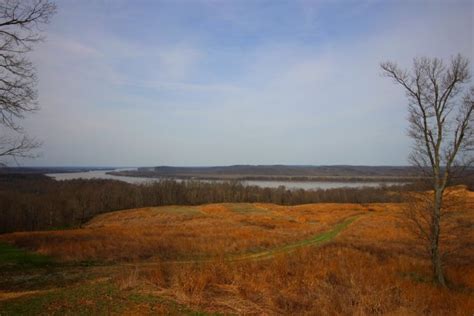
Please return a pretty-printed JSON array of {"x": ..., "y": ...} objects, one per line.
[
  {"x": 11, "y": 255},
  {"x": 178, "y": 209},
  {"x": 245, "y": 208},
  {"x": 172, "y": 307},
  {"x": 93, "y": 299}
]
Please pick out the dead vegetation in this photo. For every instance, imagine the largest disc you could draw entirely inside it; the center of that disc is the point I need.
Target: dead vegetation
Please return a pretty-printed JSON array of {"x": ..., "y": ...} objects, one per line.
[
  {"x": 373, "y": 266},
  {"x": 332, "y": 280},
  {"x": 178, "y": 232}
]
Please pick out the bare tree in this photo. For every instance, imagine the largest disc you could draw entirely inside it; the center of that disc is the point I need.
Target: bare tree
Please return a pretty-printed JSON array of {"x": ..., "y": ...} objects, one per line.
[
  {"x": 440, "y": 109},
  {"x": 20, "y": 22}
]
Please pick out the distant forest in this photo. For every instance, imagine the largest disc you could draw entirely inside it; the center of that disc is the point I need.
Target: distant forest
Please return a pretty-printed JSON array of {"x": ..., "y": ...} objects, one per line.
[{"x": 280, "y": 173}]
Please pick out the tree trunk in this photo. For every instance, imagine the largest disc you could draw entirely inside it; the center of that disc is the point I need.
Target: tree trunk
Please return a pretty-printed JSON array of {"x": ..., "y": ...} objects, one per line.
[{"x": 435, "y": 255}]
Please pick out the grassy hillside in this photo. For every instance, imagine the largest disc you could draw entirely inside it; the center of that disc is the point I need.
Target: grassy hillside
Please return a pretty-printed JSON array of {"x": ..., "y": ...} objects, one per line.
[{"x": 235, "y": 258}]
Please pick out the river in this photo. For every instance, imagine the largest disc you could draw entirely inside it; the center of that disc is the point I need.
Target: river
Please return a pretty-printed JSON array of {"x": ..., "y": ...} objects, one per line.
[{"x": 307, "y": 185}]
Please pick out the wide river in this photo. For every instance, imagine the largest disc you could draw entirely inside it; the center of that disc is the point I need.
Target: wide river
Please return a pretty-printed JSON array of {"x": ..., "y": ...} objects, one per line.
[{"x": 102, "y": 174}]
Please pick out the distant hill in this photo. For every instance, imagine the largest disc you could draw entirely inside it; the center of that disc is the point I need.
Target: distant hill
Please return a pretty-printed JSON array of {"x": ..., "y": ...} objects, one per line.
[
  {"x": 278, "y": 172},
  {"x": 45, "y": 170}
]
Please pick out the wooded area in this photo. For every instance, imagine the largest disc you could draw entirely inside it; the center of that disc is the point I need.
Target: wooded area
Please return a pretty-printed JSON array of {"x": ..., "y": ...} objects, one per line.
[{"x": 36, "y": 202}]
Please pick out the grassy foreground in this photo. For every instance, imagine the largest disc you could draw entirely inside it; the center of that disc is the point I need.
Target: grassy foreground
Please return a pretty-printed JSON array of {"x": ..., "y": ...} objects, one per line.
[{"x": 248, "y": 259}]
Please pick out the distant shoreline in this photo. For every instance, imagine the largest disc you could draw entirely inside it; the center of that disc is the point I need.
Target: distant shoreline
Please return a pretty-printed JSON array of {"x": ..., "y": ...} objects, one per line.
[
  {"x": 276, "y": 179},
  {"x": 286, "y": 173},
  {"x": 46, "y": 170}
]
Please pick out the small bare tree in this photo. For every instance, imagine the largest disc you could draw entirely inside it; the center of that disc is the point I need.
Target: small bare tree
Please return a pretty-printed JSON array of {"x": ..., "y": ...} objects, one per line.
[
  {"x": 440, "y": 109},
  {"x": 20, "y": 22}
]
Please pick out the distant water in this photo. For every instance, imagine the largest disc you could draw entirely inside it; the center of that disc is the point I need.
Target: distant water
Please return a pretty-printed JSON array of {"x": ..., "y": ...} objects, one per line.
[
  {"x": 101, "y": 174},
  {"x": 98, "y": 174},
  {"x": 310, "y": 185}
]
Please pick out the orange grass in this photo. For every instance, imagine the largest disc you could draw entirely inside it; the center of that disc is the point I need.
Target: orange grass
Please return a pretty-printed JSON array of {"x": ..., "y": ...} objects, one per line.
[
  {"x": 179, "y": 232},
  {"x": 331, "y": 280},
  {"x": 374, "y": 266}
]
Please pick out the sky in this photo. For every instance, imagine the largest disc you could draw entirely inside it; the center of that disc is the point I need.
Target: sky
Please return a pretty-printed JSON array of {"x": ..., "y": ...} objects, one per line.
[{"x": 199, "y": 83}]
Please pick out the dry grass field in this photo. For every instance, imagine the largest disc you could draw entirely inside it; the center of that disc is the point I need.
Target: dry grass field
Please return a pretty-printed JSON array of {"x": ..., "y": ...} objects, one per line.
[{"x": 250, "y": 259}]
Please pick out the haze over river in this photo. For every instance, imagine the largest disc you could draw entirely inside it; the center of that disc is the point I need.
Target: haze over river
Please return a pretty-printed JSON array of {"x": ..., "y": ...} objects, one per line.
[{"x": 102, "y": 174}]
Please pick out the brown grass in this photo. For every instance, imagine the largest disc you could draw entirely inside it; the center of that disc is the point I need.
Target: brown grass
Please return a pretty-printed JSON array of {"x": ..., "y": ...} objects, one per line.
[
  {"x": 375, "y": 266},
  {"x": 332, "y": 280},
  {"x": 176, "y": 232}
]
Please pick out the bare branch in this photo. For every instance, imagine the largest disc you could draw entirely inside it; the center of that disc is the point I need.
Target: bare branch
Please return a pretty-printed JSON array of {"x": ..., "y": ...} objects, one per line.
[
  {"x": 441, "y": 126},
  {"x": 15, "y": 148},
  {"x": 20, "y": 22}
]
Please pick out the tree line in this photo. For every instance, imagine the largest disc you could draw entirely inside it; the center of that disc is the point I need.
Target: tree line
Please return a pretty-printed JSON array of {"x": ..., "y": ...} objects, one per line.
[{"x": 36, "y": 202}]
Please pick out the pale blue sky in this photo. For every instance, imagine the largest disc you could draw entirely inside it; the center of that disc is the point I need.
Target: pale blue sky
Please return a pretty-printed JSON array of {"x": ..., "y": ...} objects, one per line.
[{"x": 234, "y": 82}]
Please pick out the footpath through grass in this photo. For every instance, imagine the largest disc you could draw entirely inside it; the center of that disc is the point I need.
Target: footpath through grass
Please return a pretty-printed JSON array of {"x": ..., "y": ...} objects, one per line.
[
  {"x": 316, "y": 240},
  {"x": 42, "y": 294},
  {"x": 313, "y": 241},
  {"x": 13, "y": 256}
]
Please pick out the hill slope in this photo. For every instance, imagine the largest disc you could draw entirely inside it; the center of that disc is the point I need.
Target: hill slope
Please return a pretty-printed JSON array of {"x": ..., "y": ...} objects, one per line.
[{"x": 246, "y": 258}]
